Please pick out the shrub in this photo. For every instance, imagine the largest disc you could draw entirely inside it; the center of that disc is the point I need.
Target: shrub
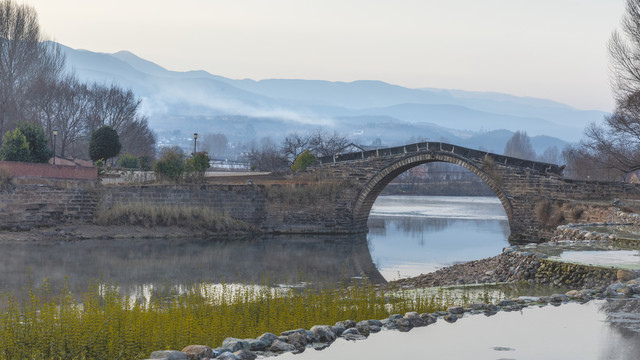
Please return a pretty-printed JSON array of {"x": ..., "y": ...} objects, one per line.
[
  {"x": 128, "y": 161},
  {"x": 197, "y": 165},
  {"x": 548, "y": 213},
  {"x": 170, "y": 167},
  {"x": 303, "y": 161},
  {"x": 39, "y": 151},
  {"x": 104, "y": 144},
  {"x": 144, "y": 162},
  {"x": 15, "y": 147}
]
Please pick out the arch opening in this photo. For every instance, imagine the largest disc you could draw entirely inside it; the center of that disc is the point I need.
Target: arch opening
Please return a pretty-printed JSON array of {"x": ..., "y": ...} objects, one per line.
[
  {"x": 379, "y": 182},
  {"x": 411, "y": 234}
]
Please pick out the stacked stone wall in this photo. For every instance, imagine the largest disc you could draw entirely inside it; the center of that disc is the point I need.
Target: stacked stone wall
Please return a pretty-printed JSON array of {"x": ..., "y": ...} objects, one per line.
[
  {"x": 27, "y": 203},
  {"x": 291, "y": 208}
]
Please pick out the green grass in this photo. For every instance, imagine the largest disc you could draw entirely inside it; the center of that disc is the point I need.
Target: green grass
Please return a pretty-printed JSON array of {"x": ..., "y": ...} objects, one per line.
[
  {"x": 102, "y": 324},
  {"x": 142, "y": 214}
]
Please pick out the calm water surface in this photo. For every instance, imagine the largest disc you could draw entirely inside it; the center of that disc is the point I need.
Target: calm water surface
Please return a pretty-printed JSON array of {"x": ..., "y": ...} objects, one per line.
[
  {"x": 596, "y": 330},
  {"x": 412, "y": 235}
]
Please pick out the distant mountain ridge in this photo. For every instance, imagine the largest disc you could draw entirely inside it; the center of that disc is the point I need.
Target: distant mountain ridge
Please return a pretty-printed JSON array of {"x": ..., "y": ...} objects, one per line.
[{"x": 365, "y": 110}]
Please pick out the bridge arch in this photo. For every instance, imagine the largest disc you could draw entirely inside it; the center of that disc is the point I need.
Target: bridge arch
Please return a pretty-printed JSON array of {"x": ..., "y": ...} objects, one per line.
[{"x": 382, "y": 178}]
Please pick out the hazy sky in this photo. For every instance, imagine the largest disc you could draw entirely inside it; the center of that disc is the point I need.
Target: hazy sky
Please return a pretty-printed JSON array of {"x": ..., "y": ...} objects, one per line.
[{"x": 555, "y": 49}]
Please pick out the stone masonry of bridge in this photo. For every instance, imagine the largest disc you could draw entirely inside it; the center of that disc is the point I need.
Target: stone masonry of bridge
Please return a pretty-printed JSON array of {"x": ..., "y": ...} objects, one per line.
[{"x": 526, "y": 189}]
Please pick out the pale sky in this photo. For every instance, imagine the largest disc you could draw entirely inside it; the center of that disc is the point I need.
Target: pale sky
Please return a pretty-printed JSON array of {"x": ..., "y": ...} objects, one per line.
[{"x": 554, "y": 49}]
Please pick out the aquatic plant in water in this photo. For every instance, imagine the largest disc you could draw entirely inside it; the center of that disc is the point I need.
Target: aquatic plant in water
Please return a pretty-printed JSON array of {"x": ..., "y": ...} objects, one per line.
[{"x": 101, "y": 323}]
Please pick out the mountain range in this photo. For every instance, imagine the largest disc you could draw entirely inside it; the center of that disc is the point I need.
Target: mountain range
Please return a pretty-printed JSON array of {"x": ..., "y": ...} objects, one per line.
[{"x": 365, "y": 111}]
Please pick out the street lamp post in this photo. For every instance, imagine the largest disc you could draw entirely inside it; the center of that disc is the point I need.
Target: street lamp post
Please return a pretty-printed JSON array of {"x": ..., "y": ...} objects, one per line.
[
  {"x": 55, "y": 135},
  {"x": 195, "y": 138}
]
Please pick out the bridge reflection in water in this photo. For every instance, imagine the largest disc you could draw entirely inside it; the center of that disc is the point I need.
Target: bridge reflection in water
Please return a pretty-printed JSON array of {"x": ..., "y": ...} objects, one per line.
[{"x": 136, "y": 263}]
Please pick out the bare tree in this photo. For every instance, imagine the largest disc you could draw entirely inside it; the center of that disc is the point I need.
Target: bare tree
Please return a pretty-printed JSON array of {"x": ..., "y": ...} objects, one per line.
[
  {"x": 583, "y": 163},
  {"x": 295, "y": 144},
  {"x": 614, "y": 146},
  {"x": 25, "y": 61},
  {"x": 266, "y": 156},
  {"x": 112, "y": 106},
  {"x": 519, "y": 146},
  {"x": 322, "y": 143},
  {"x": 74, "y": 106},
  {"x": 551, "y": 155},
  {"x": 137, "y": 138},
  {"x": 119, "y": 109},
  {"x": 624, "y": 49}
]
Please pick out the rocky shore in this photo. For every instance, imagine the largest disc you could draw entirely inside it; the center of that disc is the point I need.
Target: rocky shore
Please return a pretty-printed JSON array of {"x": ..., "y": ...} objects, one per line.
[{"x": 502, "y": 268}]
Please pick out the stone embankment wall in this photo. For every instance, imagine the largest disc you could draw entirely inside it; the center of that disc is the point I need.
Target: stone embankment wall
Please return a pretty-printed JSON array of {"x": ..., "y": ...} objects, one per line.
[
  {"x": 35, "y": 202},
  {"x": 574, "y": 275},
  {"x": 318, "y": 207},
  {"x": 287, "y": 208}
]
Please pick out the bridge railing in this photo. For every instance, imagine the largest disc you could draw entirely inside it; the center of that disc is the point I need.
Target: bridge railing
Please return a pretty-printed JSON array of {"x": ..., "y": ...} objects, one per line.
[{"x": 443, "y": 147}]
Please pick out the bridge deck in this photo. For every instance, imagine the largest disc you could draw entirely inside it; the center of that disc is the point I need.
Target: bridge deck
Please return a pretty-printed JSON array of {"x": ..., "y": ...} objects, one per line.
[{"x": 444, "y": 148}]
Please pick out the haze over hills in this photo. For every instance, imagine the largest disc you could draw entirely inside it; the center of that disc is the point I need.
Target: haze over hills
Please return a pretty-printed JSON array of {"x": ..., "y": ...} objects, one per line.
[{"x": 197, "y": 101}]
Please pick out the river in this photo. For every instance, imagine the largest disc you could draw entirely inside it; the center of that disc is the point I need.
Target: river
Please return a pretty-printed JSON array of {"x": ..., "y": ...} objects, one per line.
[
  {"x": 408, "y": 235},
  {"x": 412, "y": 235}
]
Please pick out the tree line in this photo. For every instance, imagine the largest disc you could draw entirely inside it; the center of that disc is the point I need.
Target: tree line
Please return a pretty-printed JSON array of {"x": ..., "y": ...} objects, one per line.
[
  {"x": 36, "y": 88},
  {"x": 267, "y": 155},
  {"x": 611, "y": 150}
]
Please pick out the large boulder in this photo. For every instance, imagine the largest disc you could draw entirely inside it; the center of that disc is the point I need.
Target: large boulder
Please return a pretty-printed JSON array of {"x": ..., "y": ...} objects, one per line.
[
  {"x": 625, "y": 275},
  {"x": 298, "y": 340},
  {"x": 323, "y": 333},
  {"x": 235, "y": 344},
  {"x": 245, "y": 354},
  {"x": 268, "y": 338},
  {"x": 256, "y": 345},
  {"x": 228, "y": 356},
  {"x": 281, "y": 346},
  {"x": 363, "y": 327},
  {"x": 353, "y": 334},
  {"x": 347, "y": 324},
  {"x": 198, "y": 352},
  {"x": 338, "y": 329},
  {"x": 289, "y": 332}
]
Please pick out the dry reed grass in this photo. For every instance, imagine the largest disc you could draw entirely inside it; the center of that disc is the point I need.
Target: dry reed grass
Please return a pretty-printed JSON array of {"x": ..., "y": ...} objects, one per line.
[{"x": 141, "y": 214}]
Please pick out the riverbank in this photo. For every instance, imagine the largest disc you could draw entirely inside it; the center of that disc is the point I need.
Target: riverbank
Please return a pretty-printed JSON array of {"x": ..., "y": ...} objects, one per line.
[{"x": 89, "y": 231}]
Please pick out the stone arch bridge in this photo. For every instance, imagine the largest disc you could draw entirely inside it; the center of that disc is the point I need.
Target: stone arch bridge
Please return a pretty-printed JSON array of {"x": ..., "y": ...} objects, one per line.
[{"x": 535, "y": 195}]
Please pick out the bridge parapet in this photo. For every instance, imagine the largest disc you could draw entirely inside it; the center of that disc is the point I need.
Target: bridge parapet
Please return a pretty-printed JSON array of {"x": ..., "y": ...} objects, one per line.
[{"x": 471, "y": 154}]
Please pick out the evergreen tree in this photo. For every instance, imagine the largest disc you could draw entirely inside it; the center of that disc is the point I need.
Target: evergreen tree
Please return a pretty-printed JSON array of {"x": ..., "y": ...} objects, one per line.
[
  {"x": 38, "y": 148},
  {"x": 15, "y": 147},
  {"x": 104, "y": 144}
]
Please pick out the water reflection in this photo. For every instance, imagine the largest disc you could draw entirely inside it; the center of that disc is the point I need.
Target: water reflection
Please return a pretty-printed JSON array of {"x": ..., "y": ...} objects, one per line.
[
  {"x": 136, "y": 264},
  {"x": 570, "y": 331},
  {"x": 413, "y": 235}
]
